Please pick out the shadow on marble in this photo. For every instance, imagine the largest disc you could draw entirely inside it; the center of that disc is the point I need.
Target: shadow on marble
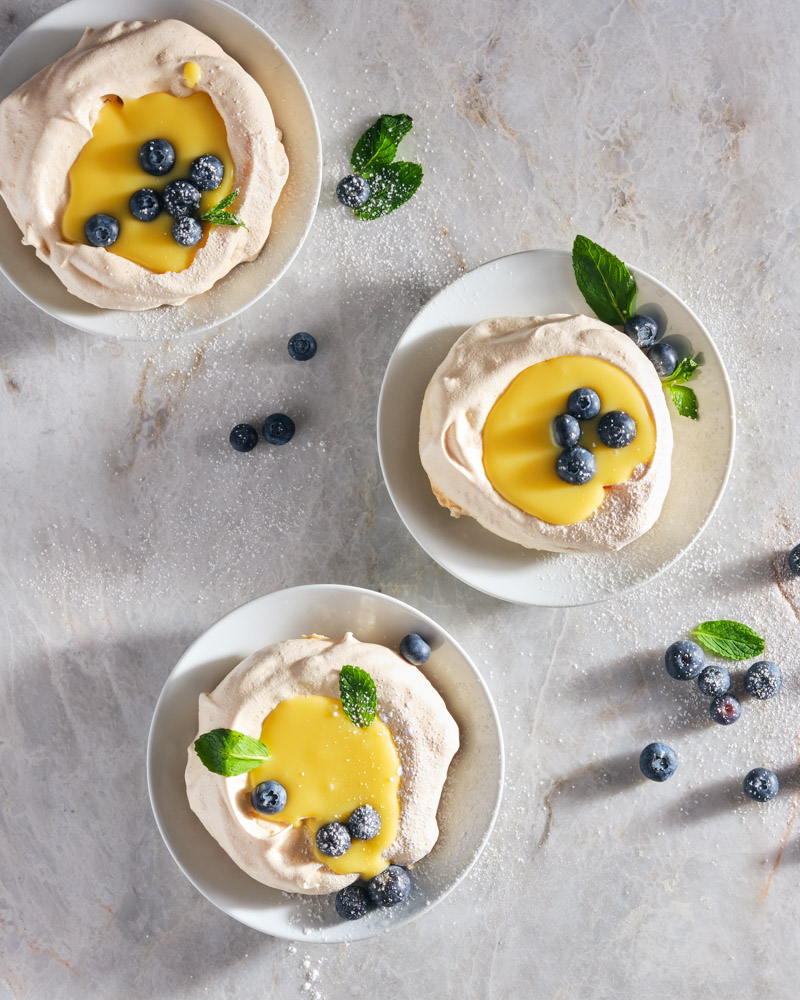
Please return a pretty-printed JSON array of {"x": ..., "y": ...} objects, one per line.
[
  {"x": 707, "y": 802},
  {"x": 602, "y": 778}
]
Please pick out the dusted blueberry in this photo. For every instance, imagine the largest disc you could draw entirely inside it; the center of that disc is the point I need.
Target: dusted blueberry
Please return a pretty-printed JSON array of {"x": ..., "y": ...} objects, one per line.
[
  {"x": 187, "y": 231},
  {"x": 566, "y": 430},
  {"x": 725, "y": 709},
  {"x": 761, "y": 784},
  {"x": 658, "y": 761},
  {"x": 278, "y": 428},
  {"x": 302, "y": 346},
  {"x": 713, "y": 681},
  {"x": 642, "y": 330},
  {"x": 794, "y": 561},
  {"x": 364, "y": 823},
  {"x": 157, "y": 157},
  {"x": 268, "y": 797},
  {"x": 575, "y": 466},
  {"x": 763, "y": 680},
  {"x": 583, "y": 404},
  {"x": 352, "y": 190},
  {"x": 664, "y": 358},
  {"x": 243, "y": 437},
  {"x": 181, "y": 198},
  {"x": 414, "y": 649},
  {"x": 333, "y": 840},
  {"x": 102, "y": 230},
  {"x": 390, "y": 887},
  {"x": 352, "y": 902},
  {"x": 206, "y": 172},
  {"x": 684, "y": 660},
  {"x": 616, "y": 429},
  {"x": 145, "y": 205}
]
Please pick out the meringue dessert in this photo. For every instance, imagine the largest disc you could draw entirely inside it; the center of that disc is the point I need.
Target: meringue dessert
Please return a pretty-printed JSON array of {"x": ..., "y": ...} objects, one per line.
[
  {"x": 495, "y": 417},
  {"x": 116, "y": 153},
  {"x": 322, "y": 768}
]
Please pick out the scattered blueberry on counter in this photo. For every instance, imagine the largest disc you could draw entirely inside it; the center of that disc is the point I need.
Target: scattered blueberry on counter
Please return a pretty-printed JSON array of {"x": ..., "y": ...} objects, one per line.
[
  {"x": 206, "y": 172},
  {"x": 364, "y": 823},
  {"x": 566, "y": 430},
  {"x": 794, "y": 561},
  {"x": 414, "y": 649},
  {"x": 658, "y": 761},
  {"x": 302, "y": 346},
  {"x": 187, "y": 231},
  {"x": 145, "y": 205},
  {"x": 180, "y": 198},
  {"x": 268, "y": 797},
  {"x": 725, "y": 709},
  {"x": 101, "y": 230},
  {"x": 761, "y": 784},
  {"x": 278, "y": 428},
  {"x": 684, "y": 660},
  {"x": 390, "y": 887},
  {"x": 333, "y": 840},
  {"x": 353, "y": 190},
  {"x": 616, "y": 429},
  {"x": 583, "y": 404},
  {"x": 713, "y": 681},
  {"x": 243, "y": 437},
  {"x": 664, "y": 358},
  {"x": 576, "y": 466},
  {"x": 763, "y": 680},
  {"x": 157, "y": 157},
  {"x": 642, "y": 330},
  {"x": 352, "y": 902}
]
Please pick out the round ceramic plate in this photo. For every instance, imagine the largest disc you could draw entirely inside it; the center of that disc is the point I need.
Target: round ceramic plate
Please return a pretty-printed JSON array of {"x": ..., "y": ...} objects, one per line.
[
  {"x": 538, "y": 283},
  {"x": 471, "y": 795},
  {"x": 57, "y": 32}
]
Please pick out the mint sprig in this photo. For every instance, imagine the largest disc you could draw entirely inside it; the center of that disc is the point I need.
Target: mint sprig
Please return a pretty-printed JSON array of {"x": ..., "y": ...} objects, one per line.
[
  {"x": 226, "y": 752},
  {"x": 391, "y": 183},
  {"x": 218, "y": 216},
  {"x": 605, "y": 282},
  {"x": 377, "y": 147},
  {"x": 729, "y": 639},
  {"x": 358, "y": 695},
  {"x": 390, "y": 187},
  {"x": 683, "y": 398}
]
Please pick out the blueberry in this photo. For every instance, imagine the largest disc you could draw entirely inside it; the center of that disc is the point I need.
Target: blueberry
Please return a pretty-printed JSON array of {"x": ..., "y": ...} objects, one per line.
[
  {"x": 181, "y": 198},
  {"x": 664, "y": 358},
  {"x": 302, "y": 346},
  {"x": 206, "y": 172},
  {"x": 268, "y": 797},
  {"x": 145, "y": 205},
  {"x": 278, "y": 428},
  {"x": 763, "y": 680},
  {"x": 157, "y": 157},
  {"x": 642, "y": 330},
  {"x": 684, "y": 660},
  {"x": 658, "y": 761},
  {"x": 575, "y": 465},
  {"x": 583, "y": 404},
  {"x": 616, "y": 429},
  {"x": 761, "y": 784},
  {"x": 794, "y": 561},
  {"x": 187, "y": 231},
  {"x": 364, "y": 823},
  {"x": 713, "y": 681},
  {"x": 390, "y": 887},
  {"x": 333, "y": 840},
  {"x": 352, "y": 190},
  {"x": 566, "y": 431},
  {"x": 243, "y": 437},
  {"x": 725, "y": 709},
  {"x": 101, "y": 230},
  {"x": 414, "y": 649},
  {"x": 352, "y": 902}
]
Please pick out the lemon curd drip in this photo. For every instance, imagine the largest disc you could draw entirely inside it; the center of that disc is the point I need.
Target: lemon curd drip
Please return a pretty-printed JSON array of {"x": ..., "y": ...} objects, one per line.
[
  {"x": 106, "y": 172},
  {"x": 329, "y": 767},
  {"x": 192, "y": 73},
  {"x": 519, "y": 453}
]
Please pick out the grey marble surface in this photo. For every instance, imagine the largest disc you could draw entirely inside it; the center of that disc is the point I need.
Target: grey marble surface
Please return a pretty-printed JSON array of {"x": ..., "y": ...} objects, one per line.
[{"x": 666, "y": 131}]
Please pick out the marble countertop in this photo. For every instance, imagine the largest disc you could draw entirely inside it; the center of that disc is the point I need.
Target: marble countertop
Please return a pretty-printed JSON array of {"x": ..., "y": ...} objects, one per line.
[{"x": 666, "y": 131}]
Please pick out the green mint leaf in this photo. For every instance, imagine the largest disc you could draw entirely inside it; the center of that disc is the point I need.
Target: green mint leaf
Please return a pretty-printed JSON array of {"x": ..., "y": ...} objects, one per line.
[
  {"x": 390, "y": 187},
  {"x": 730, "y": 639},
  {"x": 359, "y": 698},
  {"x": 686, "y": 370},
  {"x": 226, "y": 752},
  {"x": 607, "y": 285},
  {"x": 229, "y": 199},
  {"x": 217, "y": 215},
  {"x": 377, "y": 147},
  {"x": 684, "y": 400}
]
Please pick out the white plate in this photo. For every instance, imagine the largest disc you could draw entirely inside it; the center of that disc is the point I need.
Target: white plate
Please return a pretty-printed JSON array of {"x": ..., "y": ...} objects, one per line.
[
  {"x": 58, "y": 31},
  {"x": 537, "y": 283},
  {"x": 471, "y": 795}
]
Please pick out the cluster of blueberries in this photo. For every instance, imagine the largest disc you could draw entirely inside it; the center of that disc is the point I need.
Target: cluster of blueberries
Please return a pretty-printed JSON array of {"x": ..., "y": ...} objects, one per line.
[
  {"x": 180, "y": 198},
  {"x": 643, "y": 331},
  {"x": 616, "y": 429}
]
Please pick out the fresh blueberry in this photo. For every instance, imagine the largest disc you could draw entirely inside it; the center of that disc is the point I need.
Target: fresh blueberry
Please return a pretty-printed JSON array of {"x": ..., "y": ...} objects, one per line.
[
  {"x": 664, "y": 358},
  {"x": 763, "y": 680},
  {"x": 181, "y": 198},
  {"x": 302, "y": 346},
  {"x": 268, "y": 797},
  {"x": 243, "y": 437},
  {"x": 642, "y": 330},
  {"x": 794, "y": 561},
  {"x": 278, "y": 428},
  {"x": 566, "y": 430},
  {"x": 583, "y": 404},
  {"x": 206, "y": 172},
  {"x": 101, "y": 230},
  {"x": 390, "y": 887},
  {"x": 658, "y": 761},
  {"x": 414, "y": 649},
  {"x": 616, "y": 429},
  {"x": 157, "y": 157},
  {"x": 725, "y": 709},
  {"x": 187, "y": 231},
  {"x": 333, "y": 840},
  {"x": 145, "y": 205},
  {"x": 713, "y": 681},
  {"x": 684, "y": 660},
  {"x": 352, "y": 902},
  {"x": 761, "y": 784},
  {"x": 575, "y": 466},
  {"x": 352, "y": 190},
  {"x": 364, "y": 823}
]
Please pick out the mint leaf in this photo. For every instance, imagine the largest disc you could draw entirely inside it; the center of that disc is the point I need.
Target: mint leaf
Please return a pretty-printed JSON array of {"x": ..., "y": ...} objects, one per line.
[
  {"x": 377, "y": 147},
  {"x": 684, "y": 399},
  {"x": 390, "y": 187},
  {"x": 217, "y": 215},
  {"x": 607, "y": 285},
  {"x": 686, "y": 370},
  {"x": 359, "y": 698},
  {"x": 730, "y": 639},
  {"x": 226, "y": 752}
]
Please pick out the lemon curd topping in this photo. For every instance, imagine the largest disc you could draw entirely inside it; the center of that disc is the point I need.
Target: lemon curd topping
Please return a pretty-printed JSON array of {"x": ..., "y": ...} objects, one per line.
[
  {"x": 106, "y": 172},
  {"x": 192, "y": 73},
  {"x": 519, "y": 453},
  {"x": 329, "y": 767}
]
